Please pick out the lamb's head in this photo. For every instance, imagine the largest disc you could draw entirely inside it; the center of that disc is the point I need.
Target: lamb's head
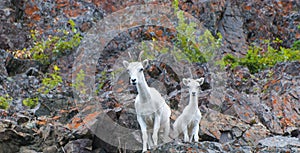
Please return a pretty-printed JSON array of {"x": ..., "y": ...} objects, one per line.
[
  {"x": 135, "y": 70},
  {"x": 193, "y": 84}
]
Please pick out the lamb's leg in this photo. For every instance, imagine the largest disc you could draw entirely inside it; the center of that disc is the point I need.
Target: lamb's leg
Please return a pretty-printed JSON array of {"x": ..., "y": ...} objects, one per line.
[
  {"x": 144, "y": 132},
  {"x": 185, "y": 133},
  {"x": 150, "y": 141},
  {"x": 195, "y": 132},
  {"x": 156, "y": 128},
  {"x": 166, "y": 137}
]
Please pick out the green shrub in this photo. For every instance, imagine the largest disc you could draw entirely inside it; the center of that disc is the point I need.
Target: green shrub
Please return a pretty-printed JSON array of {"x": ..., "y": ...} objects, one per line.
[
  {"x": 50, "y": 81},
  {"x": 259, "y": 58},
  {"x": 48, "y": 50},
  {"x": 192, "y": 49},
  {"x": 5, "y": 101},
  {"x": 30, "y": 102},
  {"x": 79, "y": 82}
]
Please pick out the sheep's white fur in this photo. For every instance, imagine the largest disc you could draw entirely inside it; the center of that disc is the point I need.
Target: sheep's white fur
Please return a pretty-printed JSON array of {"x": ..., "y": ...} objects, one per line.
[
  {"x": 188, "y": 122},
  {"x": 153, "y": 114}
]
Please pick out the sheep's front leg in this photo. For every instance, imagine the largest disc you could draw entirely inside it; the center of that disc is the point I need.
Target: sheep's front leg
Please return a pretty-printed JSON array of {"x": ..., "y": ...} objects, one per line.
[
  {"x": 156, "y": 128},
  {"x": 185, "y": 133},
  {"x": 150, "y": 141},
  {"x": 144, "y": 132},
  {"x": 195, "y": 132}
]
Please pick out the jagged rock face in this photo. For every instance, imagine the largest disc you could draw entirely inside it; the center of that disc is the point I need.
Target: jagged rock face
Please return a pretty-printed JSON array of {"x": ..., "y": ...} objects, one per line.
[
  {"x": 240, "y": 22},
  {"x": 272, "y": 144},
  {"x": 249, "y": 109}
]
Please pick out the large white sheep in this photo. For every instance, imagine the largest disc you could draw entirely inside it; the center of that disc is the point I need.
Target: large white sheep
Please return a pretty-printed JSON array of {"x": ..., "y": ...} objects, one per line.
[
  {"x": 188, "y": 122},
  {"x": 153, "y": 114}
]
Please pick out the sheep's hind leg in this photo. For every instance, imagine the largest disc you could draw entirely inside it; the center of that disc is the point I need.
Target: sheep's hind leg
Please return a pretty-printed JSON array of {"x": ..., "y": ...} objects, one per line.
[
  {"x": 156, "y": 129},
  {"x": 166, "y": 138}
]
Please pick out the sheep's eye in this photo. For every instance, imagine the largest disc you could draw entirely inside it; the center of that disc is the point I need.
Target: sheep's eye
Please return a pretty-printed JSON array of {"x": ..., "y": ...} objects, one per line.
[{"x": 141, "y": 69}]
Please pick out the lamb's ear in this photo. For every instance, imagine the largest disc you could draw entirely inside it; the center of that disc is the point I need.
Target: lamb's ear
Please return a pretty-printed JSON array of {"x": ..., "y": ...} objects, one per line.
[
  {"x": 185, "y": 81},
  {"x": 125, "y": 64},
  {"x": 145, "y": 63},
  {"x": 201, "y": 80}
]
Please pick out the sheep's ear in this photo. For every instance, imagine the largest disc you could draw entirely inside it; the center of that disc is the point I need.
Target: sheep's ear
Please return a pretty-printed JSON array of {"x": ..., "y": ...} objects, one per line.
[
  {"x": 201, "y": 80},
  {"x": 125, "y": 64},
  {"x": 145, "y": 63},
  {"x": 185, "y": 81}
]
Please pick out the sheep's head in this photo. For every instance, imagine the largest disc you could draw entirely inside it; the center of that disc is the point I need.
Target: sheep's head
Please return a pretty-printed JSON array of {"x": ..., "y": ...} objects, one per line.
[
  {"x": 135, "y": 70},
  {"x": 193, "y": 84}
]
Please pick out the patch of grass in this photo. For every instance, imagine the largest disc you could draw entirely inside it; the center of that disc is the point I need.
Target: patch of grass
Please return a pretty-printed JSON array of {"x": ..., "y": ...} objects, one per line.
[
  {"x": 30, "y": 102},
  {"x": 259, "y": 58},
  {"x": 79, "y": 82},
  {"x": 5, "y": 101}
]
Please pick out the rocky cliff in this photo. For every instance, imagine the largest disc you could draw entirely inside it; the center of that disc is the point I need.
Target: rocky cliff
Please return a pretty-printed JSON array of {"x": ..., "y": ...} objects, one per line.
[{"x": 244, "y": 113}]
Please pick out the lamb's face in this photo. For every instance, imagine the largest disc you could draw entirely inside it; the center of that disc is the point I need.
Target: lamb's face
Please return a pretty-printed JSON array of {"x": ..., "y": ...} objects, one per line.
[
  {"x": 194, "y": 85},
  {"x": 135, "y": 70}
]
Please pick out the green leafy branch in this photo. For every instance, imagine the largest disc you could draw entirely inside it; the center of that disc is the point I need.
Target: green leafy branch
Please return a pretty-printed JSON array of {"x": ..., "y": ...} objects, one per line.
[
  {"x": 50, "y": 49},
  {"x": 194, "y": 51},
  {"x": 51, "y": 81},
  {"x": 259, "y": 58}
]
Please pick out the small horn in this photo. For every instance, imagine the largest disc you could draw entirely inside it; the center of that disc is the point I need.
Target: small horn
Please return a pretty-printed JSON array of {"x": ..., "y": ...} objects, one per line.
[
  {"x": 190, "y": 70},
  {"x": 129, "y": 55},
  {"x": 140, "y": 55}
]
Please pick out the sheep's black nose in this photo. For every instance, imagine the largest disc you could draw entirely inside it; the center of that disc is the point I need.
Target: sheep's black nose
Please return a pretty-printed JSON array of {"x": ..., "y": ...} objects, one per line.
[
  {"x": 194, "y": 93},
  {"x": 133, "y": 80}
]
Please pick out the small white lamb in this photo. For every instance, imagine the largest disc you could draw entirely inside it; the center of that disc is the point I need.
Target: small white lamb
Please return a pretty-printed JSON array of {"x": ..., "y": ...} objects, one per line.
[
  {"x": 188, "y": 122},
  {"x": 153, "y": 114}
]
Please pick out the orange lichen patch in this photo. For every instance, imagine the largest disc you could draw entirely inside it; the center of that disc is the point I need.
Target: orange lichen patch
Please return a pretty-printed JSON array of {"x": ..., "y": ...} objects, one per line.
[
  {"x": 277, "y": 88},
  {"x": 297, "y": 35},
  {"x": 119, "y": 90},
  {"x": 247, "y": 134},
  {"x": 29, "y": 10},
  {"x": 190, "y": 149},
  {"x": 159, "y": 33},
  {"x": 121, "y": 82},
  {"x": 117, "y": 105},
  {"x": 36, "y": 17},
  {"x": 274, "y": 81},
  {"x": 113, "y": 8},
  {"x": 74, "y": 13},
  {"x": 87, "y": 108},
  {"x": 56, "y": 117},
  {"x": 247, "y": 114},
  {"x": 216, "y": 133},
  {"x": 285, "y": 101},
  {"x": 91, "y": 117},
  {"x": 61, "y": 3},
  {"x": 76, "y": 122},
  {"x": 41, "y": 122},
  {"x": 63, "y": 111},
  {"x": 248, "y": 8},
  {"x": 274, "y": 101},
  {"x": 97, "y": 2},
  {"x": 286, "y": 122}
]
